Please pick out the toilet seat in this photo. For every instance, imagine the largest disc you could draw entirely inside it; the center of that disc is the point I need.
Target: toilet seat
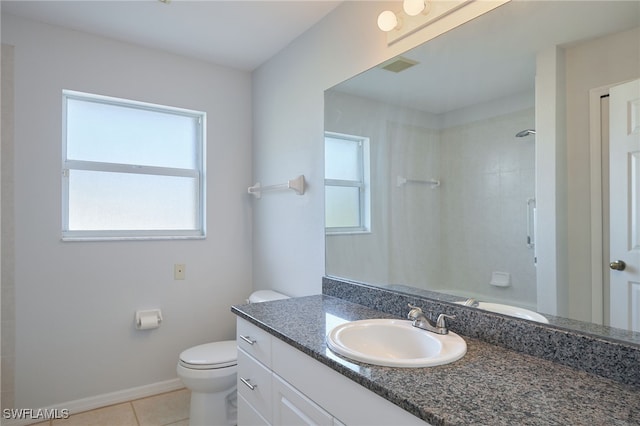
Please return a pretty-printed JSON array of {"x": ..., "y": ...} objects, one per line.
[{"x": 210, "y": 356}]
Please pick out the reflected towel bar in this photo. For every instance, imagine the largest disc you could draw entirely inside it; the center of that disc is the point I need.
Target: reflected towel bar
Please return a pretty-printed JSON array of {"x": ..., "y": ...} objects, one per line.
[
  {"x": 401, "y": 180},
  {"x": 296, "y": 184}
]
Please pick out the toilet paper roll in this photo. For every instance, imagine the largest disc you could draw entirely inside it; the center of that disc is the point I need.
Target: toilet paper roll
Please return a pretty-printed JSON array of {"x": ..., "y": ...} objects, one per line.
[
  {"x": 147, "y": 322},
  {"x": 148, "y": 319}
]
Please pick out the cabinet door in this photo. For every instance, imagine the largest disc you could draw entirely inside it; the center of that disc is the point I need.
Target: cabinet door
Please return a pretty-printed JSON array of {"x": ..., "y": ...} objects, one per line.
[
  {"x": 321, "y": 384},
  {"x": 290, "y": 407},
  {"x": 248, "y": 416}
]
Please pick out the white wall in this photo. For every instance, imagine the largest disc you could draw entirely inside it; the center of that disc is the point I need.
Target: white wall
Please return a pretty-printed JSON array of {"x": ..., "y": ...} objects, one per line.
[
  {"x": 75, "y": 301},
  {"x": 288, "y": 133},
  {"x": 414, "y": 216},
  {"x": 588, "y": 66},
  {"x": 7, "y": 317},
  {"x": 288, "y": 140},
  {"x": 369, "y": 257},
  {"x": 565, "y": 75},
  {"x": 357, "y": 256}
]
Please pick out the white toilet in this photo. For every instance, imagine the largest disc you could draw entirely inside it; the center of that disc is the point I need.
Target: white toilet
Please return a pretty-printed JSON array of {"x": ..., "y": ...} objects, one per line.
[{"x": 209, "y": 372}]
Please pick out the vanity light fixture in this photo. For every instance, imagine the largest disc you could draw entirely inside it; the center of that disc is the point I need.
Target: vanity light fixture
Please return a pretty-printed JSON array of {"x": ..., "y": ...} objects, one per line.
[
  {"x": 418, "y": 14},
  {"x": 416, "y": 7},
  {"x": 388, "y": 20}
]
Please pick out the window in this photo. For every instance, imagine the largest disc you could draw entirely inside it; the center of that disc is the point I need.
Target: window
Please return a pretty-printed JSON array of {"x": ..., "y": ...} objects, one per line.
[
  {"x": 131, "y": 170},
  {"x": 347, "y": 204}
]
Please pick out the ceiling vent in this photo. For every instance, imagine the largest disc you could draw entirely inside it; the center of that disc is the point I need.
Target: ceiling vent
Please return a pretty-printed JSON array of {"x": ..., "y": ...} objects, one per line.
[{"x": 398, "y": 64}]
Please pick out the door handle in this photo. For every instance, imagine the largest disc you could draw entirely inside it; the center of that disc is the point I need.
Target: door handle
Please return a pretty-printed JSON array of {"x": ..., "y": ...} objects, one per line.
[{"x": 618, "y": 265}]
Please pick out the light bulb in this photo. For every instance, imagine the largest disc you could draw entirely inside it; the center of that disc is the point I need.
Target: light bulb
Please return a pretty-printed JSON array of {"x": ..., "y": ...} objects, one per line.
[
  {"x": 387, "y": 21},
  {"x": 413, "y": 7}
]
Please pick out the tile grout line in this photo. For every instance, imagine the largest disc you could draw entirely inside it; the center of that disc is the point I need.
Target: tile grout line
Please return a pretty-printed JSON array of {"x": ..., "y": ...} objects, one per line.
[{"x": 135, "y": 414}]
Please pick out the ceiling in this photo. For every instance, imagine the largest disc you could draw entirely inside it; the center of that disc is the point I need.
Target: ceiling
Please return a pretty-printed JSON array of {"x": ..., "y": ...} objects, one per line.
[
  {"x": 500, "y": 46},
  {"x": 240, "y": 34}
]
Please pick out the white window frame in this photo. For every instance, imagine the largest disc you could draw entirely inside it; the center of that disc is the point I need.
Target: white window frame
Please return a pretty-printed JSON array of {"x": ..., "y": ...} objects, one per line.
[
  {"x": 363, "y": 185},
  {"x": 198, "y": 173}
]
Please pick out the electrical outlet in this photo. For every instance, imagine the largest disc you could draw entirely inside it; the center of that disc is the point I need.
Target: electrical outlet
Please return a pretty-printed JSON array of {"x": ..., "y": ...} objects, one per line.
[{"x": 179, "y": 271}]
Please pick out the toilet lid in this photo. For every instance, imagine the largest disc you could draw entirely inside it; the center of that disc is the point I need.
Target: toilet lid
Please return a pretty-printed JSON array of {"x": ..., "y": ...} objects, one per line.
[{"x": 210, "y": 355}]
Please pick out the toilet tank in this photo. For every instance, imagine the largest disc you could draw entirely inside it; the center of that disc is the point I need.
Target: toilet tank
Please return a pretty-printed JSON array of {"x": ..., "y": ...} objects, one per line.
[{"x": 265, "y": 296}]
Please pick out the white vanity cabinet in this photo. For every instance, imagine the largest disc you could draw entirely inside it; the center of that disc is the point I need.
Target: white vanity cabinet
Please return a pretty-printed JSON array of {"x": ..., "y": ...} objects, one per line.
[
  {"x": 263, "y": 397},
  {"x": 280, "y": 385}
]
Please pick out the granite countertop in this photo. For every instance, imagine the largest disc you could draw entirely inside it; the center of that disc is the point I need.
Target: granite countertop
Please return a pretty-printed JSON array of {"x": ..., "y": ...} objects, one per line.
[{"x": 490, "y": 385}]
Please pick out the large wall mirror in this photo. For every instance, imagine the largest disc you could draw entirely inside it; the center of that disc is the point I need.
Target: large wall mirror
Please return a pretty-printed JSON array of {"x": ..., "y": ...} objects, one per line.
[{"x": 477, "y": 165}]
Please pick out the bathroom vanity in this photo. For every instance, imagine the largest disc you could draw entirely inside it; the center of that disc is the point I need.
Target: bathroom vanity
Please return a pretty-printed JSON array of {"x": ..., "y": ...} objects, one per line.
[
  {"x": 295, "y": 378},
  {"x": 279, "y": 385}
]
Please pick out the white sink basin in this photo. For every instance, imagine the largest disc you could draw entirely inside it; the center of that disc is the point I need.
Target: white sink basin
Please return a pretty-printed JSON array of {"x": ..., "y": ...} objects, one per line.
[
  {"x": 513, "y": 311},
  {"x": 394, "y": 343}
]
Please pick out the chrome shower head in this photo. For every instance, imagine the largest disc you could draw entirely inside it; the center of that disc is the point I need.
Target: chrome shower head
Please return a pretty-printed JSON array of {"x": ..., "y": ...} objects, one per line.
[{"x": 524, "y": 133}]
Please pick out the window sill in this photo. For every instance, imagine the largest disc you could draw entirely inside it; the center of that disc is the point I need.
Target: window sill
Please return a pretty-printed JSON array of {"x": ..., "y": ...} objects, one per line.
[
  {"x": 354, "y": 232},
  {"x": 132, "y": 238}
]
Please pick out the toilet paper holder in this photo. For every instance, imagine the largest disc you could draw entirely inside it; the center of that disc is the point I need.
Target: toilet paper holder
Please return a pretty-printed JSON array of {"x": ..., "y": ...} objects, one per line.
[{"x": 145, "y": 320}]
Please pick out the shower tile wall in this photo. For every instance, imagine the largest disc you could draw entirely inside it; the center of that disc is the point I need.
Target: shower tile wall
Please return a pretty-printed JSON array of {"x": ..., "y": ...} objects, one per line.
[
  {"x": 415, "y": 216},
  {"x": 488, "y": 174}
]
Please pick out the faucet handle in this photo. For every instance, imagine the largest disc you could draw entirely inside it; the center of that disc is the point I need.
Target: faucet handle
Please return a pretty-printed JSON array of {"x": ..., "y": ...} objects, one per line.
[
  {"x": 414, "y": 312},
  {"x": 442, "y": 320}
]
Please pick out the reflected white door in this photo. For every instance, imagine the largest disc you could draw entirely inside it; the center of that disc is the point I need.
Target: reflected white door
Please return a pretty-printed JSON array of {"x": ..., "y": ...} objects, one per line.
[{"x": 624, "y": 187}]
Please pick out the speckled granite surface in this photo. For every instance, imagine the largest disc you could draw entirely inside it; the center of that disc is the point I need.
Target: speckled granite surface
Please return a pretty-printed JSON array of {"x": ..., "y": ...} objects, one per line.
[
  {"x": 490, "y": 385},
  {"x": 607, "y": 357},
  {"x": 353, "y": 290}
]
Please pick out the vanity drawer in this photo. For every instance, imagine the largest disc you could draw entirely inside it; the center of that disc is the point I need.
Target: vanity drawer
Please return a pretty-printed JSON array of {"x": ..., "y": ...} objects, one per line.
[
  {"x": 254, "y": 341},
  {"x": 254, "y": 384}
]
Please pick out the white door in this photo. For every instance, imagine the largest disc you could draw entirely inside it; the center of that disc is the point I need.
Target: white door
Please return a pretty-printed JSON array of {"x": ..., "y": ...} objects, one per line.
[{"x": 624, "y": 187}]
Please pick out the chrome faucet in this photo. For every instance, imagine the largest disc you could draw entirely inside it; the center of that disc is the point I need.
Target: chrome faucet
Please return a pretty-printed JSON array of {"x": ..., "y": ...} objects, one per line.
[{"x": 421, "y": 321}]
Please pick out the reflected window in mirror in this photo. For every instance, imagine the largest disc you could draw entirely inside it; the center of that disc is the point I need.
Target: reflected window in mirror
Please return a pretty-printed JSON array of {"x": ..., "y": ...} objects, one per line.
[{"x": 347, "y": 206}]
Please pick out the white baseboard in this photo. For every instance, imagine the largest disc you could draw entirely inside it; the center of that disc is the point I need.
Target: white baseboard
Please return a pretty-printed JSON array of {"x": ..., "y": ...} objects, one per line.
[{"x": 98, "y": 401}]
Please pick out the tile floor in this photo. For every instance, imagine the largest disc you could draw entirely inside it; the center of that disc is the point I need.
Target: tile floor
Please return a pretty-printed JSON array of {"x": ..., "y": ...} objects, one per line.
[{"x": 171, "y": 408}]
